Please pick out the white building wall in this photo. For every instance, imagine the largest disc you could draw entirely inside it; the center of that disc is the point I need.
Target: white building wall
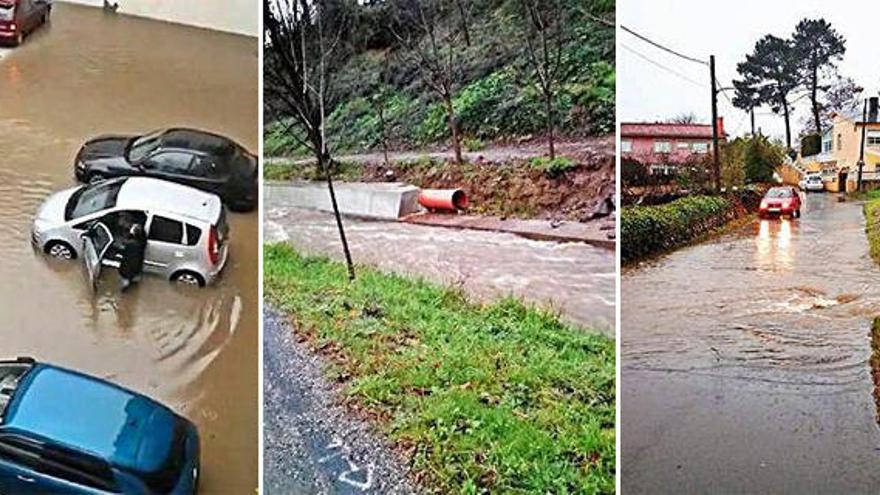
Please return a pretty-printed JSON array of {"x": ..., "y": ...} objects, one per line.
[{"x": 235, "y": 16}]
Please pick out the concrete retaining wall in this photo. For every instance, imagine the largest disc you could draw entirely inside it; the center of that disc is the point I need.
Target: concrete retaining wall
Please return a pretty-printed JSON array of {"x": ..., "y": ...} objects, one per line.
[
  {"x": 233, "y": 16},
  {"x": 387, "y": 201}
]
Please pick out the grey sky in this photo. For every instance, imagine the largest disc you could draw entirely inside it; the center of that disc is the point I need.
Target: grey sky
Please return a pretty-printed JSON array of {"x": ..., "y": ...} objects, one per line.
[{"x": 728, "y": 30}]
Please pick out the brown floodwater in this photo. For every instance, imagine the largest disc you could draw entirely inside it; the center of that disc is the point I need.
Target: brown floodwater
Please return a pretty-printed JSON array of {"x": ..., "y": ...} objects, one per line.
[
  {"x": 744, "y": 361},
  {"x": 195, "y": 350},
  {"x": 575, "y": 279}
]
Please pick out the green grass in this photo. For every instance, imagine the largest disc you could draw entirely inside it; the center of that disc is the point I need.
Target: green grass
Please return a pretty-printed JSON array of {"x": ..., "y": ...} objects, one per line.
[
  {"x": 344, "y": 171},
  {"x": 487, "y": 398},
  {"x": 872, "y": 225}
]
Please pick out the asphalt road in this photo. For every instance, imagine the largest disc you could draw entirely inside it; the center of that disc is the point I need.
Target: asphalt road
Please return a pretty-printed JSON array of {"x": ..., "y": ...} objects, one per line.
[{"x": 312, "y": 445}]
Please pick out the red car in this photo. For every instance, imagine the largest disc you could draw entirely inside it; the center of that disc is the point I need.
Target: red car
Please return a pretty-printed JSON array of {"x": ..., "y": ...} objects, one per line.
[
  {"x": 18, "y": 18},
  {"x": 780, "y": 201}
]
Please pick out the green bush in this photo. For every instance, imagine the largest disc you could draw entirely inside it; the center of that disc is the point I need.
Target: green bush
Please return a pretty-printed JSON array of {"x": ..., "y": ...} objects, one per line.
[
  {"x": 811, "y": 144},
  {"x": 646, "y": 230}
]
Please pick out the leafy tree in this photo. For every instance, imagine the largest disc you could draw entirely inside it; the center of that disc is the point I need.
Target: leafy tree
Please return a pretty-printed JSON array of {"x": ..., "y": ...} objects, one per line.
[
  {"x": 816, "y": 47},
  {"x": 746, "y": 98},
  {"x": 761, "y": 159},
  {"x": 771, "y": 71}
]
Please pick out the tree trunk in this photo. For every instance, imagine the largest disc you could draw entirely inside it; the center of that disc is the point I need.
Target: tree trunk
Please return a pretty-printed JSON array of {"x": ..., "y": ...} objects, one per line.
[
  {"x": 752, "y": 114},
  {"x": 814, "y": 99},
  {"x": 453, "y": 128},
  {"x": 787, "y": 123},
  {"x": 381, "y": 112},
  {"x": 548, "y": 103},
  {"x": 324, "y": 162}
]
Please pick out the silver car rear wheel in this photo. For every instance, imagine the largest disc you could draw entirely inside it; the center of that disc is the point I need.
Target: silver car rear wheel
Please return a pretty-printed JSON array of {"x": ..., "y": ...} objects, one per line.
[
  {"x": 61, "y": 251},
  {"x": 189, "y": 278}
]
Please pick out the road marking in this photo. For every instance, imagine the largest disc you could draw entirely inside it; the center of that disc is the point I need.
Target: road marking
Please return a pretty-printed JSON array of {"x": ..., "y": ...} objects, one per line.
[{"x": 343, "y": 451}]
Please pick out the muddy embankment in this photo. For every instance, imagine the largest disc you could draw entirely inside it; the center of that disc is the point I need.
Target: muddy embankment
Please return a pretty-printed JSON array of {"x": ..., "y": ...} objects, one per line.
[{"x": 577, "y": 187}]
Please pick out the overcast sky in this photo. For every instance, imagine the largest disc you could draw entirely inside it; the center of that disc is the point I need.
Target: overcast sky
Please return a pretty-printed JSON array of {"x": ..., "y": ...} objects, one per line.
[{"x": 728, "y": 30}]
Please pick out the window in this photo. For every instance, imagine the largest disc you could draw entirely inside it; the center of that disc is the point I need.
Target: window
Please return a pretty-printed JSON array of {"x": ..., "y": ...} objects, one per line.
[
  {"x": 165, "y": 230},
  {"x": 193, "y": 234},
  {"x": 662, "y": 147},
  {"x": 700, "y": 147},
  {"x": 626, "y": 146},
  {"x": 91, "y": 199},
  {"x": 683, "y": 145},
  {"x": 839, "y": 142},
  {"x": 172, "y": 162},
  {"x": 872, "y": 139}
]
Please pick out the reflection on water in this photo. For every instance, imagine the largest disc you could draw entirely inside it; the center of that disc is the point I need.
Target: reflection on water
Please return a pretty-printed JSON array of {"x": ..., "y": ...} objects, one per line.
[
  {"x": 774, "y": 247},
  {"x": 195, "y": 350},
  {"x": 577, "y": 279},
  {"x": 745, "y": 361}
]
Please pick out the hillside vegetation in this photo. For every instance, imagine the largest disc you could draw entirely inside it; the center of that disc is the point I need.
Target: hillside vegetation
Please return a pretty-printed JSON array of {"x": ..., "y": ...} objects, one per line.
[{"x": 497, "y": 97}]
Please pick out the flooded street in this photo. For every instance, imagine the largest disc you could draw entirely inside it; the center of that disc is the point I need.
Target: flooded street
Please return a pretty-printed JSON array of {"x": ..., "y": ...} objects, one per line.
[
  {"x": 745, "y": 361},
  {"x": 90, "y": 73},
  {"x": 576, "y": 279}
]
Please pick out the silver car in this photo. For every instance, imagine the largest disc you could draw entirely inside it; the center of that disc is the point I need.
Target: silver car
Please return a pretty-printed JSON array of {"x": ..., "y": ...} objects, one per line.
[{"x": 187, "y": 233}]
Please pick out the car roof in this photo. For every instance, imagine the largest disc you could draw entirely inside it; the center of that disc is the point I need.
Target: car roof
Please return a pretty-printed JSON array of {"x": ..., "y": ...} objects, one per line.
[
  {"x": 91, "y": 415},
  {"x": 196, "y": 140},
  {"x": 156, "y": 195}
]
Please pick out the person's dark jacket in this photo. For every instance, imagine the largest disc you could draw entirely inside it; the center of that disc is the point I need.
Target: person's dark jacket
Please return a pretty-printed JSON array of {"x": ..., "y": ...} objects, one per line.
[{"x": 133, "y": 254}]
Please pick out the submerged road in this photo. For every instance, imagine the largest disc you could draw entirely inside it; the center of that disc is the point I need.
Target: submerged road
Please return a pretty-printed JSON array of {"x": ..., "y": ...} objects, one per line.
[
  {"x": 312, "y": 445},
  {"x": 745, "y": 361},
  {"x": 576, "y": 279}
]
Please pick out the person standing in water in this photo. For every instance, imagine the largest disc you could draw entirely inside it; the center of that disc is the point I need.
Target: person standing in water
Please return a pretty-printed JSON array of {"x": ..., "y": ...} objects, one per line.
[{"x": 133, "y": 248}]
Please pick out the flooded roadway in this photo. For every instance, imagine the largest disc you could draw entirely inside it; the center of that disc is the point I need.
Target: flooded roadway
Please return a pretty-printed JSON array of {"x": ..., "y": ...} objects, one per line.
[
  {"x": 745, "y": 361},
  {"x": 196, "y": 350},
  {"x": 576, "y": 279}
]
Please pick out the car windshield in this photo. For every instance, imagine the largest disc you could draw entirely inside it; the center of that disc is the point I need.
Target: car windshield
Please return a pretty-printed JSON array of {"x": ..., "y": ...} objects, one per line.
[
  {"x": 142, "y": 147},
  {"x": 90, "y": 199},
  {"x": 779, "y": 193},
  {"x": 10, "y": 376}
]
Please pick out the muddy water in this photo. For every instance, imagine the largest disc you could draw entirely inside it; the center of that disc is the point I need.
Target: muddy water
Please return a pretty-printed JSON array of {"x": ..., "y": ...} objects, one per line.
[
  {"x": 576, "y": 279},
  {"x": 196, "y": 350},
  {"x": 745, "y": 361}
]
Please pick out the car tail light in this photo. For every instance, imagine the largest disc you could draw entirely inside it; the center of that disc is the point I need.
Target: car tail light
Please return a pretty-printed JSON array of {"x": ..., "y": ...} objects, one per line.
[
  {"x": 786, "y": 203},
  {"x": 213, "y": 246},
  {"x": 763, "y": 204}
]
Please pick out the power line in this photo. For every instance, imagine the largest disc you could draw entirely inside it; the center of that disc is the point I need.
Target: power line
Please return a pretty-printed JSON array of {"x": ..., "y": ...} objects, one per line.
[
  {"x": 658, "y": 64},
  {"x": 662, "y": 47}
]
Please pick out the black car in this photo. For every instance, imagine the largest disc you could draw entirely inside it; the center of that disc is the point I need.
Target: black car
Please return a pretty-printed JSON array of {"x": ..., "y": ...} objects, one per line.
[{"x": 196, "y": 158}]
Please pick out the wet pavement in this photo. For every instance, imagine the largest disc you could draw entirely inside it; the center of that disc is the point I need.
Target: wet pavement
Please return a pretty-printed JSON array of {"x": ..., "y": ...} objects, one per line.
[
  {"x": 196, "y": 350},
  {"x": 745, "y": 361},
  {"x": 312, "y": 444},
  {"x": 576, "y": 279}
]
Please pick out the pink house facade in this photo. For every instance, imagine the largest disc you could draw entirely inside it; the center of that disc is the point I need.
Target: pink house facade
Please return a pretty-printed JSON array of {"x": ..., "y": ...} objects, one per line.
[{"x": 663, "y": 147}]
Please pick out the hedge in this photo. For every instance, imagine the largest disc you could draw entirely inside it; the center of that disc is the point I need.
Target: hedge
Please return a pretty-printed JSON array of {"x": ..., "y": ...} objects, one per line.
[{"x": 646, "y": 230}]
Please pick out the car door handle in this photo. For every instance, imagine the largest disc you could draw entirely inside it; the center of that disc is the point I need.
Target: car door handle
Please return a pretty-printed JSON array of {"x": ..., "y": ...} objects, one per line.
[{"x": 25, "y": 479}]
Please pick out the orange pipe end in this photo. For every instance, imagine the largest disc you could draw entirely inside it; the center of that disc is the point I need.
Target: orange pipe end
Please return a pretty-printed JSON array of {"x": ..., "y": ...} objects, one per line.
[{"x": 443, "y": 199}]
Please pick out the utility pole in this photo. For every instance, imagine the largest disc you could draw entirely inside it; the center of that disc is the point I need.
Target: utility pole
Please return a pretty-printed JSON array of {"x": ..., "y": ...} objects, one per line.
[
  {"x": 861, "y": 148},
  {"x": 716, "y": 155}
]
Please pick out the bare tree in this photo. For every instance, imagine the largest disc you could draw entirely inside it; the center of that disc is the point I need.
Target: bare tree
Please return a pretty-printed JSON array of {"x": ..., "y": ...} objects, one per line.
[
  {"x": 545, "y": 43},
  {"x": 304, "y": 47},
  {"x": 684, "y": 118},
  {"x": 435, "y": 51}
]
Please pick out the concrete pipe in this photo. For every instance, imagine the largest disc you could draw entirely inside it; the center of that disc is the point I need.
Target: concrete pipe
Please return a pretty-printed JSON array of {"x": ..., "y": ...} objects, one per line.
[{"x": 443, "y": 199}]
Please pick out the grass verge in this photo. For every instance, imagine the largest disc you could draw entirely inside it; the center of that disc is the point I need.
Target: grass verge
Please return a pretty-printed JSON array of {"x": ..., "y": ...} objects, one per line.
[
  {"x": 483, "y": 397},
  {"x": 872, "y": 226}
]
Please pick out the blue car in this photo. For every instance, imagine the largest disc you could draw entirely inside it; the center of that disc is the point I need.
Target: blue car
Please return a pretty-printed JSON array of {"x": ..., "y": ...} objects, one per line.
[{"x": 63, "y": 432}]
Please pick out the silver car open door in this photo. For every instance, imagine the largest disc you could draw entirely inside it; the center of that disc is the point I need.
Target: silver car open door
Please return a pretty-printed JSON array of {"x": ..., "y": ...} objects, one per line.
[{"x": 96, "y": 242}]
